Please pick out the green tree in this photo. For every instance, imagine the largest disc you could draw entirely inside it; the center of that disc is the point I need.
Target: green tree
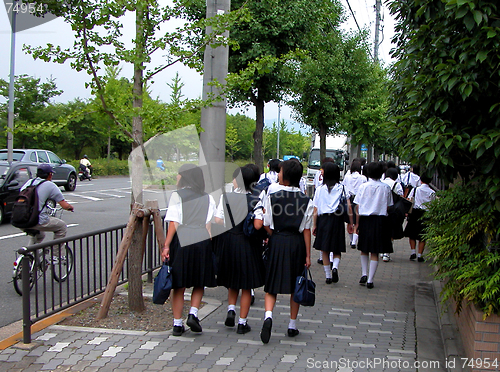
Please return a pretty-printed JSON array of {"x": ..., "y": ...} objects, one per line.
[
  {"x": 232, "y": 140},
  {"x": 245, "y": 127},
  {"x": 31, "y": 97},
  {"x": 445, "y": 92},
  {"x": 265, "y": 44},
  {"x": 331, "y": 81}
]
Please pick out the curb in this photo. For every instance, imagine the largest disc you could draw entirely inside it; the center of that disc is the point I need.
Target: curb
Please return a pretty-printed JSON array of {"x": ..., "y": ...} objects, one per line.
[{"x": 210, "y": 306}]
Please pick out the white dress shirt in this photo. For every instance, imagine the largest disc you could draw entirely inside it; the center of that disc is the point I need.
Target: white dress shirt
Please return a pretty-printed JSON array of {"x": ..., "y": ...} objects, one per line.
[
  {"x": 373, "y": 198},
  {"x": 423, "y": 195},
  {"x": 327, "y": 202}
]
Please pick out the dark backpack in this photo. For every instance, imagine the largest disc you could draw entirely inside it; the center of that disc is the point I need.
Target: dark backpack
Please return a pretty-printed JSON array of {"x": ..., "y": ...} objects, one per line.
[
  {"x": 25, "y": 210},
  {"x": 262, "y": 185}
]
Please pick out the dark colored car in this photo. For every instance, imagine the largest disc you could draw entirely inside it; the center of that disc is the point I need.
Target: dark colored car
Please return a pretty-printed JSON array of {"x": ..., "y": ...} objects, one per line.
[
  {"x": 64, "y": 174},
  {"x": 12, "y": 178}
]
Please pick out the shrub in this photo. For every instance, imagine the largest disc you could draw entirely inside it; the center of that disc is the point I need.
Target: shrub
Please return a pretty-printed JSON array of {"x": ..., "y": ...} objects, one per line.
[{"x": 462, "y": 238}]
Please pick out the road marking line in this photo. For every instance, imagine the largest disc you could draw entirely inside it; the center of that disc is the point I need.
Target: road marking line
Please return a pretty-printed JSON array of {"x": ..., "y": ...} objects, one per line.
[
  {"x": 24, "y": 234},
  {"x": 86, "y": 197},
  {"x": 112, "y": 195}
]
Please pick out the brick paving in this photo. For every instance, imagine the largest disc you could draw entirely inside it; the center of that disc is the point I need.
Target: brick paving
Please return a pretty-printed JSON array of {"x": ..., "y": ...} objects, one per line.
[{"x": 392, "y": 327}]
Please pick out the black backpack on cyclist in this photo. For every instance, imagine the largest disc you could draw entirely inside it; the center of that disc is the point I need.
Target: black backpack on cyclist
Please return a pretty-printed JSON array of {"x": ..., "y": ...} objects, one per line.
[{"x": 25, "y": 210}]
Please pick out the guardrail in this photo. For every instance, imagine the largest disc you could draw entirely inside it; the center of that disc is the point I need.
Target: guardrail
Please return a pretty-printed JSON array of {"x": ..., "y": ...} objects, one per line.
[{"x": 93, "y": 258}]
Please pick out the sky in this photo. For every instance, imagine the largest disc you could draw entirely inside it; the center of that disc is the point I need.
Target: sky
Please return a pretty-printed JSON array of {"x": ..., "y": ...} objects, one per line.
[{"x": 73, "y": 83}]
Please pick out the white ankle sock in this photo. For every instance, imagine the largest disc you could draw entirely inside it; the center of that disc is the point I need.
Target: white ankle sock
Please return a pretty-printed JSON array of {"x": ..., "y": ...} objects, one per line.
[
  {"x": 242, "y": 321},
  {"x": 194, "y": 311},
  {"x": 413, "y": 251},
  {"x": 328, "y": 272},
  {"x": 291, "y": 324},
  {"x": 177, "y": 322},
  {"x": 364, "y": 265},
  {"x": 355, "y": 239},
  {"x": 373, "y": 270},
  {"x": 231, "y": 307},
  {"x": 269, "y": 314},
  {"x": 336, "y": 262}
]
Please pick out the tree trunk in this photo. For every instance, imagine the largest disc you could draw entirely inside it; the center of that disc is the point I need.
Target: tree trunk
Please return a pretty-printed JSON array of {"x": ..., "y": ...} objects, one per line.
[
  {"x": 258, "y": 134},
  {"x": 137, "y": 159},
  {"x": 322, "y": 142}
]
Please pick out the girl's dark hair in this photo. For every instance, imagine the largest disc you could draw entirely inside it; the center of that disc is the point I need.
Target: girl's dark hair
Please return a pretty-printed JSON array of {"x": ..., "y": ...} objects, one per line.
[
  {"x": 426, "y": 176},
  {"x": 274, "y": 165},
  {"x": 416, "y": 169},
  {"x": 331, "y": 175},
  {"x": 248, "y": 177},
  {"x": 191, "y": 176},
  {"x": 356, "y": 166},
  {"x": 327, "y": 160},
  {"x": 255, "y": 169},
  {"x": 292, "y": 172},
  {"x": 374, "y": 170},
  {"x": 391, "y": 164},
  {"x": 392, "y": 173}
]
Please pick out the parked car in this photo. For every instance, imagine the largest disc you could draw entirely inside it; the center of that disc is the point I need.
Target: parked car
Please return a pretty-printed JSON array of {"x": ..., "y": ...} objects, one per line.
[
  {"x": 64, "y": 175},
  {"x": 12, "y": 177}
]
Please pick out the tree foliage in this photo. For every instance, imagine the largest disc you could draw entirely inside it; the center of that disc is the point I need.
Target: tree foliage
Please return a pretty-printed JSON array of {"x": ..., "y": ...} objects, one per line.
[
  {"x": 332, "y": 82},
  {"x": 277, "y": 29},
  {"x": 464, "y": 244},
  {"x": 445, "y": 92}
]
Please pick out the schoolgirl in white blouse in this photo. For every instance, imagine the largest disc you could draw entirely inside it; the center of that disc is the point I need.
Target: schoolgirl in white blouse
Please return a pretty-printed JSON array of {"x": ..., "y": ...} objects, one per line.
[{"x": 372, "y": 200}]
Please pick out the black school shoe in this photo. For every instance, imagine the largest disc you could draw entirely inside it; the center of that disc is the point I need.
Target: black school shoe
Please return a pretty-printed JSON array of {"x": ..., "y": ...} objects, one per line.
[
  {"x": 231, "y": 314},
  {"x": 292, "y": 332},
  {"x": 194, "y": 323},
  {"x": 363, "y": 280},
  {"x": 335, "y": 275},
  {"x": 178, "y": 330},
  {"x": 243, "y": 328},
  {"x": 369, "y": 285},
  {"x": 413, "y": 256},
  {"x": 265, "y": 333}
]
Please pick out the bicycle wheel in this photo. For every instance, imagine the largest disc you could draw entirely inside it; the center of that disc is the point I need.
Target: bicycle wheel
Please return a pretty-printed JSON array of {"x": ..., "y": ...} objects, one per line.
[
  {"x": 18, "y": 280},
  {"x": 62, "y": 265}
]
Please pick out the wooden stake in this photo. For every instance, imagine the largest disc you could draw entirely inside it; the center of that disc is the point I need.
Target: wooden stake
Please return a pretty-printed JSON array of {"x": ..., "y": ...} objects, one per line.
[{"x": 118, "y": 265}]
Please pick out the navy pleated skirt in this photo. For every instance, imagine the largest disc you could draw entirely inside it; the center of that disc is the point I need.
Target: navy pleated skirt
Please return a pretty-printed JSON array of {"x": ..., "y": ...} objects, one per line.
[
  {"x": 416, "y": 224},
  {"x": 193, "y": 264},
  {"x": 330, "y": 233},
  {"x": 374, "y": 234},
  {"x": 239, "y": 261},
  {"x": 286, "y": 260}
]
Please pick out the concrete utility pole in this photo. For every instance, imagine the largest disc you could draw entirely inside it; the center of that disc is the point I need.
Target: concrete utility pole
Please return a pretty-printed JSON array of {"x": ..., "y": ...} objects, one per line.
[
  {"x": 10, "y": 112},
  {"x": 372, "y": 154},
  {"x": 213, "y": 118},
  {"x": 378, "y": 18}
]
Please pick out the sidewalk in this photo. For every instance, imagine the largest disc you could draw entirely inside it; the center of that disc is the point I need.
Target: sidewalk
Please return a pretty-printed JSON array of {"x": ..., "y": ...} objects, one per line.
[{"x": 392, "y": 327}]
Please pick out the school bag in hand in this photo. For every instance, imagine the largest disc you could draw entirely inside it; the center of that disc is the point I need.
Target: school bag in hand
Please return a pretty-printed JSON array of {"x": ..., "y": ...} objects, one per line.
[
  {"x": 305, "y": 289},
  {"x": 163, "y": 284},
  {"x": 25, "y": 211}
]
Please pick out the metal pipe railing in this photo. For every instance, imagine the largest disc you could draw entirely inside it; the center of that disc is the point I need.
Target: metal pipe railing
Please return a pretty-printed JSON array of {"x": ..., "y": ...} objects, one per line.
[{"x": 94, "y": 254}]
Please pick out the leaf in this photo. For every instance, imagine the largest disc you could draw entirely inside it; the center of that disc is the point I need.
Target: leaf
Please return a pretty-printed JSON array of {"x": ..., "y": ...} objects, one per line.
[
  {"x": 469, "y": 22},
  {"x": 478, "y": 16},
  {"x": 482, "y": 55},
  {"x": 429, "y": 157}
]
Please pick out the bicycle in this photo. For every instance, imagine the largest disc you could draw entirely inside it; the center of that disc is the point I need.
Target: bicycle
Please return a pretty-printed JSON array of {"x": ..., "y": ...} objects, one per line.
[{"x": 61, "y": 265}]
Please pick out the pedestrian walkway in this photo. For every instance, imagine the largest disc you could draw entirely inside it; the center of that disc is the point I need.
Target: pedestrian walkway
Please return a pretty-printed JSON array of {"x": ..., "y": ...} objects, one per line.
[{"x": 392, "y": 327}]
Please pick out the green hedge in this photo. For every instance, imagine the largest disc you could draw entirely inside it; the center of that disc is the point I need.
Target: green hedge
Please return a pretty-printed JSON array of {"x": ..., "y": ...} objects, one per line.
[{"x": 463, "y": 241}]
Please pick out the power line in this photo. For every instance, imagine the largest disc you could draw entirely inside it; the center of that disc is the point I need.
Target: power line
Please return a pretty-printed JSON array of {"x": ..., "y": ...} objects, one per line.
[{"x": 353, "y": 15}]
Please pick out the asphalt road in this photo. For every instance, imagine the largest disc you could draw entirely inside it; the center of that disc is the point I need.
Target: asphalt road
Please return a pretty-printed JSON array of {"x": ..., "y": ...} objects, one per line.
[{"x": 100, "y": 203}]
